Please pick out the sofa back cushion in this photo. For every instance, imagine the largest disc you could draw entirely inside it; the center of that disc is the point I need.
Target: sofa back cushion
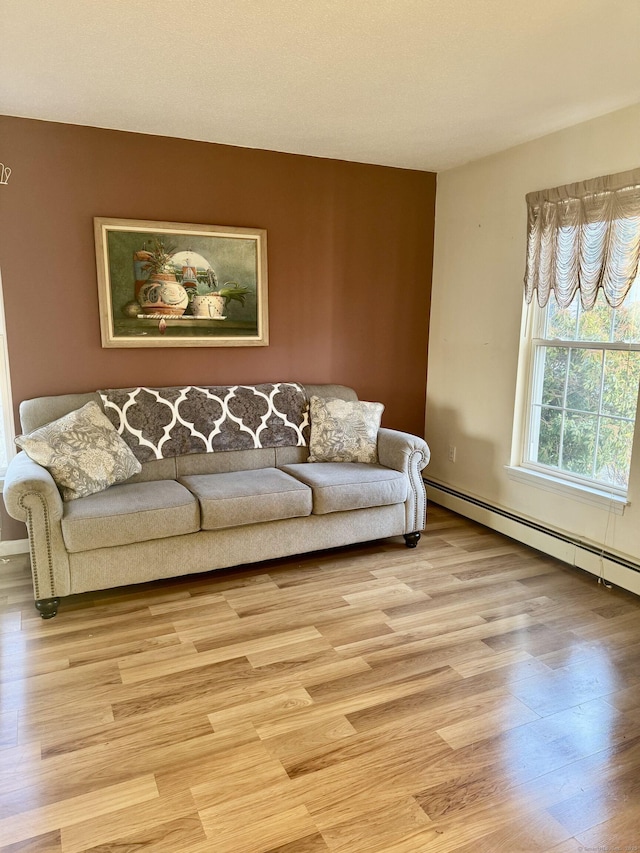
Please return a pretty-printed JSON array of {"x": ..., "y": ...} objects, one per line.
[
  {"x": 222, "y": 462},
  {"x": 157, "y": 423},
  {"x": 42, "y": 410},
  {"x": 156, "y": 469},
  {"x": 331, "y": 392},
  {"x": 291, "y": 455}
]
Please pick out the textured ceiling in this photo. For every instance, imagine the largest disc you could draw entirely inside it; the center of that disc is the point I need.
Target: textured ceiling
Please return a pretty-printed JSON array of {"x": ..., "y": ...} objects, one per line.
[{"x": 422, "y": 84}]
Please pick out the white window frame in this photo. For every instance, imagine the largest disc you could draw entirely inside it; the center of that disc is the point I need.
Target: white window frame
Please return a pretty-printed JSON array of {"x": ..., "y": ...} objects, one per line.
[
  {"x": 8, "y": 424},
  {"x": 522, "y": 469}
]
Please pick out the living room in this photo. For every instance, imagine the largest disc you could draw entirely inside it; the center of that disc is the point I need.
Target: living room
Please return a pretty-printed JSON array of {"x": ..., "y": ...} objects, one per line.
[{"x": 401, "y": 281}]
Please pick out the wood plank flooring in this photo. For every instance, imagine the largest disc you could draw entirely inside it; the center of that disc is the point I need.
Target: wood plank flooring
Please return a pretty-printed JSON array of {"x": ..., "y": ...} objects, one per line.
[{"x": 468, "y": 695}]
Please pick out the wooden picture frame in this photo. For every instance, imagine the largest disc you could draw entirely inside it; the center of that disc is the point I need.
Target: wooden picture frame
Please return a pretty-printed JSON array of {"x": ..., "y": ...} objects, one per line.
[{"x": 171, "y": 284}]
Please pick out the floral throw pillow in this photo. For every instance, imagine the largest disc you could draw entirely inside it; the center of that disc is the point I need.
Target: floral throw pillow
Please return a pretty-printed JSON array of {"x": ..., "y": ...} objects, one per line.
[
  {"x": 82, "y": 451},
  {"x": 344, "y": 431}
]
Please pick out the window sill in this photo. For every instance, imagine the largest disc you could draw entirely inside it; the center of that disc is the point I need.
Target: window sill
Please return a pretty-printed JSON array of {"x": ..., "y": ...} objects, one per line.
[{"x": 596, "y": 497}]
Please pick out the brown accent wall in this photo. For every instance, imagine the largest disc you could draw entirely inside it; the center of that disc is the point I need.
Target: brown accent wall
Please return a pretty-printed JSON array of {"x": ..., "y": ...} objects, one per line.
[{"x": 349, "y": 257}]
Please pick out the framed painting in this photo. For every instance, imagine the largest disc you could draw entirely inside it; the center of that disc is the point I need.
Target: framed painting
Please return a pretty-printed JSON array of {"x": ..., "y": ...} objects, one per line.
[{"x": 168, "y": 284}]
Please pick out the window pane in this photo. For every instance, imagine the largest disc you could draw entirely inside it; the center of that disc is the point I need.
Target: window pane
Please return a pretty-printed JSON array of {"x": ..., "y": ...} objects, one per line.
[
  {"x": 556, "y": 360},
  {"x": 614, "y": 451},
  {"x": 583, "y": 385},
  {"x": 596, "y": 324},
  {"x": 549, "y": 439},
  {"x": 561, "y": 322},
  {"x": 584, "y": 398},
  {"x": 620, "y": 389},
  {"x": 579, "y": 444},
  {"x": 627, "y": 317}
]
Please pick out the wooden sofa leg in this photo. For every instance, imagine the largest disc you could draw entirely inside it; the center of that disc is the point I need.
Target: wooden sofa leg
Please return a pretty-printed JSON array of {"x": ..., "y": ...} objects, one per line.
[
  {"x": 47, "y": 607},
  {"x": 411, "y": 539}
]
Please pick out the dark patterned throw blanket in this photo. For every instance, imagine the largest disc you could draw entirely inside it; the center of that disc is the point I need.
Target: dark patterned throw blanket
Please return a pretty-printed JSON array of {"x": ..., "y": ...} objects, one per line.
[{"x": 162, "y": 422}]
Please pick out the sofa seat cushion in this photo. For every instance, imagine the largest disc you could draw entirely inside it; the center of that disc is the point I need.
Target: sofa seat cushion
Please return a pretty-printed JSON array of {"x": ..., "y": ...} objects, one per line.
[
  {"x": 130, "y": 512},
  {"x": 341, "y": 486},
  {"x": 248, "y": 497}
]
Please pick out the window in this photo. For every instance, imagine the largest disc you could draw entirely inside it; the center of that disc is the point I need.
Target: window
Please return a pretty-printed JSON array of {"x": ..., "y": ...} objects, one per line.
[
  {"x": 585, "y": 372},
  {"x": 583, "y": 257},
  {"x": 7, "y": 447}
]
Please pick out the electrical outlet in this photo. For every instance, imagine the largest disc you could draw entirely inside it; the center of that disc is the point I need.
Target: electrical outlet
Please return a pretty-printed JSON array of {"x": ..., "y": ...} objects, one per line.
[{"x": 452, "y": 453}]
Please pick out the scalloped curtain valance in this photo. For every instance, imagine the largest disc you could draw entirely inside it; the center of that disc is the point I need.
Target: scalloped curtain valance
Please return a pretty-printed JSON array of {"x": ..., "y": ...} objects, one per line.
[{"x": 583, "y": 237}]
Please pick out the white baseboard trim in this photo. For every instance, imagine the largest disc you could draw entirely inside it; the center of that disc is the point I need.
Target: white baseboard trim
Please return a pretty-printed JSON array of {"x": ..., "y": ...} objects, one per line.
[
  {"x": 14, "y": 546},
  {"x": 615, "y": 570}
]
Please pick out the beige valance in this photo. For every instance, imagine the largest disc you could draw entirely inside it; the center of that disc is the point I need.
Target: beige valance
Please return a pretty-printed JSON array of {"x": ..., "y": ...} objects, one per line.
[{"x": 584, "y": 236}]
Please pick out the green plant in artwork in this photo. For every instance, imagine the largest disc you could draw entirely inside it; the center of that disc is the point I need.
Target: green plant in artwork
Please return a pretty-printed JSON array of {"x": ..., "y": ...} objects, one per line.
[
  {"x": 231, "y": 290},
  {"x": 160, "y": 258}
]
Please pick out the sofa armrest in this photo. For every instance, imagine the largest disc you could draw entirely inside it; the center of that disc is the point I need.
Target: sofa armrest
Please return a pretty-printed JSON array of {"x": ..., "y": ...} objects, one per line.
[
  {"x": 26, "y": 481},
  {"x": 410, "y": 454},
  {"x": 31, "y": 495}
]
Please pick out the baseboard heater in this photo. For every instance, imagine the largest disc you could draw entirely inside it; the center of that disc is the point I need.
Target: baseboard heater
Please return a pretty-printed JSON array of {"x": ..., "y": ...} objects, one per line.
[{"x": 604, "y": 564}]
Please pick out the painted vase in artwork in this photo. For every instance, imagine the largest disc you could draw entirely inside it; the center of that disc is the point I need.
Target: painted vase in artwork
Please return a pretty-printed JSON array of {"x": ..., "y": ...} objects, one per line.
[
  {"x": 210, "y": 305},
  {"x": 163, "y": 296}
]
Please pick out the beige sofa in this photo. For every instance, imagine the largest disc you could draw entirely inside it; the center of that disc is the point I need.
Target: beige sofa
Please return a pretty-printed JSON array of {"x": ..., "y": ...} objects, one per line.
[{"x": 196, "y": 512}]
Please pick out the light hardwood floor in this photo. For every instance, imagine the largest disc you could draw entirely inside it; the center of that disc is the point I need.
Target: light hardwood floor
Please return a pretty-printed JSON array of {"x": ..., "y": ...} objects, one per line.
[{"x": 468, "y": 695}]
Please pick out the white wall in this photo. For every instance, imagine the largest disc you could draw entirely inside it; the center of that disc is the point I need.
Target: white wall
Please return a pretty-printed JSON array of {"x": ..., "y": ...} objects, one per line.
[{"x": 476, "y": 319}]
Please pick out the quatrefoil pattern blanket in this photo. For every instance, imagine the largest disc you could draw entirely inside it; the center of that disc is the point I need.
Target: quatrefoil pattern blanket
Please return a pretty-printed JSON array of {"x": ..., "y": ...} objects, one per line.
[{"x": 161, "y": 422}]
